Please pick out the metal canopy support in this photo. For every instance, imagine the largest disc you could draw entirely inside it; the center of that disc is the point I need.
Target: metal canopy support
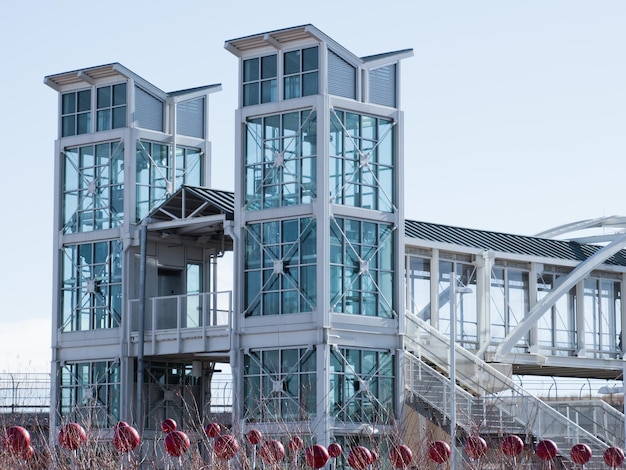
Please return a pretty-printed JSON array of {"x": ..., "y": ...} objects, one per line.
[
  {"x": 142, "y": 317},
  {"x": 541, "y": 307}
]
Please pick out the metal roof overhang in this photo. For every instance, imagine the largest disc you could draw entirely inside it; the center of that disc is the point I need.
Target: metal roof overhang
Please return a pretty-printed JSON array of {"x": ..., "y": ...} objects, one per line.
[{"x": 193, "y": 211}]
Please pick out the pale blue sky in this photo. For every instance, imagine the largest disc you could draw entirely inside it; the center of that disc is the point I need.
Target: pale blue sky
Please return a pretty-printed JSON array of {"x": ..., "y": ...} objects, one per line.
[{"x": 515, "y": 111}]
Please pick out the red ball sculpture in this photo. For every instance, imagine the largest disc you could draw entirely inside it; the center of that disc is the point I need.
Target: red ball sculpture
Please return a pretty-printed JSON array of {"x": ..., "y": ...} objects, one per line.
[
  {"x": 254, "y": 436},
  {"x": 512, "y": 445},
  {"x": 613, "y": 457},
  {"x": 334, "y": 450},
  {"x": 126, "y": 438},
  {"x": 72, "y": 436},
  {"x": 475, "y": 447},
  {"x": 316, "y": 456},
  {"x": 400, "y": 456},
  {"x": 439, "y": 451},
  {"x": 296, "y": 443},
  {"x": 28, "y": 453},
  {"x": 580, "y": 454},
  {"x": 226, "y": 446},
  {"x": 120, "y": 424},
  {"x": 359, "y": 457},
  {"x": 212, "y": 430},
  {"x": 16, "y": 440},
  {"x": 168, "y": 425},
  {"x": 176, "y": 443},
  {"x": 272, "y": 452},
  {"x": 546, "y": 450}
]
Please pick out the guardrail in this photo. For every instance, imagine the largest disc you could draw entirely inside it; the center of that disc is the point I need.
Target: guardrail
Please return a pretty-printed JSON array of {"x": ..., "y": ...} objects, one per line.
[
  {"x": 495, "y": 389},
  {"x": 203, "y": 310},
  {"x": 24, "y": 392}
]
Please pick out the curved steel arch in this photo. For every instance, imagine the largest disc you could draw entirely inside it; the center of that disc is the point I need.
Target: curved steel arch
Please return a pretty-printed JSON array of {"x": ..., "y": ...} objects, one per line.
[{"x": 541, "y": 307}]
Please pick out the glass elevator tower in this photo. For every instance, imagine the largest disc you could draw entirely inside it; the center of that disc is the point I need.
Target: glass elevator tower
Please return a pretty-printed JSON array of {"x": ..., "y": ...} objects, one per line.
[{"x": 319, "y": 224}]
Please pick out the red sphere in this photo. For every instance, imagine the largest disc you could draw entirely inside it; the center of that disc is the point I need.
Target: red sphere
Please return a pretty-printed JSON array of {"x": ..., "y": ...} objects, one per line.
[
  {"x": 16, "y": 440},
  {"x": 212, "y": 430},
  {"x": 400, "y": 456},
  {"x": 512, "y": 445},
  {"x": 176, "y": 443},
  {"x": 226, "y": 446},
  {"x": 613, "y": 457},
  {"x": 580, "y": 454},
  {"x": 296, "y": 443},
  {"x": 316, "y": 456},
  {"x": 439, "y": 451},
  {"x": 120, "y": 424},
  {"x": 72, "y": 436},
  {"x": 168, "y": 425},
  {"x": 28, "y": 453},
  {"x": 126, "y": 438},
  {"x": 359, "y": 457},
  {"x": 254, "y": 436},
  {"x": 475, "y": 447},
  {"x": 272, "y": 452},
  {"x": 546, "y": 449},
  {"x": 334, "y": 450}
]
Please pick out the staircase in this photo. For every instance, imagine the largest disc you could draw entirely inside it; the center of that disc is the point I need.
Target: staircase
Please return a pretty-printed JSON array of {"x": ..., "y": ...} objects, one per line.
[
  {"x": 596, "y": 417},
  {"x": 488, "y": 401}
]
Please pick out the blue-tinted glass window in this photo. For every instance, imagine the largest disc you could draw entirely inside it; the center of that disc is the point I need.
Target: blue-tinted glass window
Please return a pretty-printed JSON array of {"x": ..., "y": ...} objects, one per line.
[
  {"x": 300, "y": 70},
  {"x": 93, "y": 187},
  {"x": 362, "y": 171},
  {"x": 280, "y": 160},
  {"x": 280, "y": 267},
  {"x": 76, "y": 113},
  {"x": 111, "y": 107},
  {"x": 260, "y": 80}
]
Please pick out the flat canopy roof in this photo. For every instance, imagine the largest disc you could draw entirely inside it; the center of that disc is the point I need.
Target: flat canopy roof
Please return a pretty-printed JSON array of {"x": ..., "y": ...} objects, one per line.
[{"x": 88, "y": 76}]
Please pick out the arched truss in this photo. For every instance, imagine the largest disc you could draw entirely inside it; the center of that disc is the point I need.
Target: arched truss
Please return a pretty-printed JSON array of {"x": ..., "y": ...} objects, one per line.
[
  {"x": 615, "y": 223},
  {"x": 569, "y": 281}
]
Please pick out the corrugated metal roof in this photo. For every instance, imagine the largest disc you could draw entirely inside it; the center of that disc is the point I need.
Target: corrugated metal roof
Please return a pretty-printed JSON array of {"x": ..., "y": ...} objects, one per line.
[
  {"x": 196, "y": 201},
  {"x": 189, "y": 198},
  {"x": 507, "y": 243}
]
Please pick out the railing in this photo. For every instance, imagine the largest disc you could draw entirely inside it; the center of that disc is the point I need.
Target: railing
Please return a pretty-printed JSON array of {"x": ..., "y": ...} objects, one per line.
[
  {"x": 497, "y": 392},
  {"x": 204, "y": 310},
  {"x": 596, "y": 416},
  {"x": 24, "y": 393}
]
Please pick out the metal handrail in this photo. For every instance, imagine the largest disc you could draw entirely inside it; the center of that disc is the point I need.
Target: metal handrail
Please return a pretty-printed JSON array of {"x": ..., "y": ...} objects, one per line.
[{"x": 485, "y": 381}]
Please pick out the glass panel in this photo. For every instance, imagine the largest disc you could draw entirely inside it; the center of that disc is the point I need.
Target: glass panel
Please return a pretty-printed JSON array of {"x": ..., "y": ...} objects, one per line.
[
  {"x": 84, "y": 123},
  {"x": 269, "y": 66},
  {"x": 84, "y": 101},
  {"x": 68, "y": 126},
  {"x": 309, "y": 59},
  {"x": 104, "y": 120},
  {"x": 309, "y": 84},
  {"x": 292, "y": 62},
  {"x": 119, "y": 94},
  {"x": 250, "y": 70},
  {"x": 251, "y": 94},
  {"x": 119, "y": 117},
  {"x": 104, "y": 97},
  {"x": 269, "y": 91},
  {"x": 68, "y": 103},
  {"x": 292, "y": 87}
]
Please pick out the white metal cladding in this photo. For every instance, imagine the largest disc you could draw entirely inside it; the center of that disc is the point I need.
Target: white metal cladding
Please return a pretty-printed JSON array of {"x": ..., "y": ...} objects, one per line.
[
  {"x": 190, "y": 118},
  {"x": 148, "y": 111},
  {"x": 341, "y": 77},
  {"x": 383, "y": 86}
]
